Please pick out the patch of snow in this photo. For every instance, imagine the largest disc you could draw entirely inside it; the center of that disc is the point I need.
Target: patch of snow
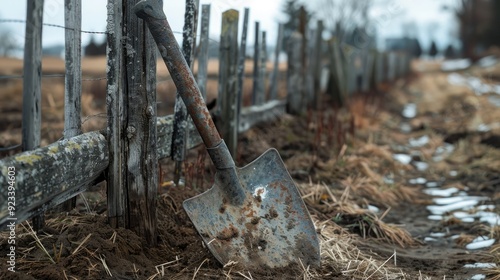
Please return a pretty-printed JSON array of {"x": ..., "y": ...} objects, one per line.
[
  {"x": 410, "y": 111},
  {"x": 456, "y": 64},
  {"x": 417, "y": 181},
  {"x": 420, "y": 165},
  {"x": 419, "y": 142},
  {"x": 441, "y": 192},
  {"x": 403, "y": 158},
  {"x": 435, "y": 209},
  {"x": 480, "y": 242},
  {"x": 480, "y": 265}
]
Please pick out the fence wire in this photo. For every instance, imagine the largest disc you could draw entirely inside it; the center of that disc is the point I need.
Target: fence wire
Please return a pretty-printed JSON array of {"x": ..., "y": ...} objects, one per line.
[{"x": 7, "y": 77}]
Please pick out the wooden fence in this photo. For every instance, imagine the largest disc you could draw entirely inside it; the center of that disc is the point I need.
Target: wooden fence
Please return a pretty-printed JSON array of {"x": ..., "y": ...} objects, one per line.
[{"x": 127, "y": 156}]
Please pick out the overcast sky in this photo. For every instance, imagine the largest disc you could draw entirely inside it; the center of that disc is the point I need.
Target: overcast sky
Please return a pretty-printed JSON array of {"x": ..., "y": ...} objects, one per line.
[{"x": 430, "y": 20}]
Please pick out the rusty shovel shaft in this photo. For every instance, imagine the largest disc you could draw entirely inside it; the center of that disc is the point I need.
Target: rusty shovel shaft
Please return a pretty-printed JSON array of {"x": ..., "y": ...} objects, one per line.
[{"x": 152, "y": 13}]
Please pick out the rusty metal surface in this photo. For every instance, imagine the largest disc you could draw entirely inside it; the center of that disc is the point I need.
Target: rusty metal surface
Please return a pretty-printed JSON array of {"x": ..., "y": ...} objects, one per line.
[
  {"x": 152, "y": 13},
  {"x": 270, "y": 228}
]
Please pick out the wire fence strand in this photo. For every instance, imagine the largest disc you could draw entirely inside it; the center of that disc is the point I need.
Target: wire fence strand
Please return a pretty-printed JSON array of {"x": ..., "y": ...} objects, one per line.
[
  {"x": 52, "y": 25},
  {"x": 7, "y": 77}
]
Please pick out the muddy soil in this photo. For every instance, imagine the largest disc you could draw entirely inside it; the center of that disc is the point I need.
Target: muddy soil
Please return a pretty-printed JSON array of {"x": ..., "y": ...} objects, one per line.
[{"x": 343, "y": 162}]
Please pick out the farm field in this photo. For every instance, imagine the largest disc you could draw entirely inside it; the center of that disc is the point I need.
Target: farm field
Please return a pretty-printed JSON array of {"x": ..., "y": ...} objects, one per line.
[{"x": 400, "y": 183}]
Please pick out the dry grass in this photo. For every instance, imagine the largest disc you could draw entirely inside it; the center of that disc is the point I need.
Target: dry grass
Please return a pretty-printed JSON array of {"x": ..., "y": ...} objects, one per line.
[
  {"x": 341, "y": 208},
  {"x": 494, "y": 273}
]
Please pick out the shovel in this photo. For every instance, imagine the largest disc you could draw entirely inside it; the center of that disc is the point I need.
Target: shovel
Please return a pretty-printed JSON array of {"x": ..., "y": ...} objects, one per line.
[{"x": 252, "y": 216}]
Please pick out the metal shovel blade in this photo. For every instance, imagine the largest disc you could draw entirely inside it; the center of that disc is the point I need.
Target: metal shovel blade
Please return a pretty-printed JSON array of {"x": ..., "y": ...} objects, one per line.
[{"x": 270, "y": 228}]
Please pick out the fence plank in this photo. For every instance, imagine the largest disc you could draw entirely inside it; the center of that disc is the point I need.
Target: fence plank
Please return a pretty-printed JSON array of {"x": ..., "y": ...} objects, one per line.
[
  {"x": 73, "y": 77},
  {"x": 263, "y": 69},
  {"x": 32, "y": 92},
  {"x": 241, "y": 63},
  {"x": 273, "y": 93},
  {"x": 65, "y": 165},
  {"x": 228, "y": 79},
  {"x": 181, "y": 117},
  {"x": 203, "y": 55},
  {"x": 117, "y": 117},
  {"x": 256, "y": 62},
  {"x": 140, "y": 136},
  {"x": 294, "y": 74}
]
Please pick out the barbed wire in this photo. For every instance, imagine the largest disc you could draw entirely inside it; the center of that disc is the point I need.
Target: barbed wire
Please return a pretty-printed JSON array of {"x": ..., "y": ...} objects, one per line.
[
  {"x": 6, "y": 77},
  {"x": 85, "y": 31},
  {"x": 53, "y": 25}
]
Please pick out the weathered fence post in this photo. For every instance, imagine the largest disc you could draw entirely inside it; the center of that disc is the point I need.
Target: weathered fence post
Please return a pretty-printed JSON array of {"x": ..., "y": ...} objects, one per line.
[
  {"x": 379, "y": 68},
  {"x": 367, "y": 71},
  {"x": 256, "y": 68},
  {"x": 32, "y": 92},
  {"x": 241, "y": 64},
  {"x": 133, "y": 151},
  {"x": 142, "y": 162},
  {"x": 337, "y": 83},
  {"x": 262, "y": 71},
  {"x": 181, "y": 116},
  {"x": 228, "y": 78},
  {"x": 391, "y": 66},
  {"x": 294, "y": 74},
  {"x": 316, "y": 64},
  {"x": 351, "y": 72},
  {"x": 117, "y": 116},
  {"x": 73, "y": 77},
  {"x": 273, "y": 93},
  {"x": 203, "y": 55}
]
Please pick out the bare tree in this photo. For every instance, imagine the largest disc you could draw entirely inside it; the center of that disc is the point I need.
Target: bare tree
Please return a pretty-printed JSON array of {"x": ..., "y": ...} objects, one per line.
[{"x": 344, "y": 15}]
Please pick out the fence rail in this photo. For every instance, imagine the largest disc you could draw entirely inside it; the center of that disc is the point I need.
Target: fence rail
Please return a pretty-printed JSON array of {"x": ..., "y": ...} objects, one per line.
[{"x": 127, "y": 156}]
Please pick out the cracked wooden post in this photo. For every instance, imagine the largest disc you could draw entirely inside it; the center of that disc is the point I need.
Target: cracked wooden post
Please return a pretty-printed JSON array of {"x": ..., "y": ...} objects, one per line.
[
  {"x": 256, "y": 68},
  {"x": 32, "y": 92},
  {"x": 273, "y": 93},
  {"x": 140, "y": 136},
  {"x": 117, "y": 116},
  {"x": 132, "y": 101},
  {"x": 261, "y": 98},
  {"x": 73, "y": 77},
  {"x": 337, "y": 82},
  {"x": 228, "y": 78},
  {"x": 241, "y": 64},
  {"x": 294, "y": 74},
  {"x": 181, "y": 117},
  {"x": 203, "y": 55}
]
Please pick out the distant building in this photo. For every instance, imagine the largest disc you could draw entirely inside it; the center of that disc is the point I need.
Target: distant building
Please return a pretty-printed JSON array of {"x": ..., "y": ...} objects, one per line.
[{"x": 404, "y": 44}]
